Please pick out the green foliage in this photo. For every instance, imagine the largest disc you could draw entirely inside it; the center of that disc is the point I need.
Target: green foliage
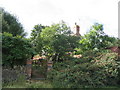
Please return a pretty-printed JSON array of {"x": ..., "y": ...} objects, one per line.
[
  {"x": 11, "y": 24},
  {"x": 36, "y": 32},
  {"x": 55, "y": 41},
  {"x": 98, "y": 71},
  {"x": 64, "y": 44},
  {"x": 96, "y": 39},
  {"x": 15, "y": 50}
]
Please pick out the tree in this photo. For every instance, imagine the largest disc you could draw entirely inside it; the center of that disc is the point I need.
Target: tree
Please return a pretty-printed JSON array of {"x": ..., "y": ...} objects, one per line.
[
  {"x": 11, "y": 24},
  {"x": 96, "y": 39},
  {"x": 36, "y": 32},
  {"x": 15, "y": 50},
  {"x": 55, "y": 41},
  {"x": 62, "y": 45}
]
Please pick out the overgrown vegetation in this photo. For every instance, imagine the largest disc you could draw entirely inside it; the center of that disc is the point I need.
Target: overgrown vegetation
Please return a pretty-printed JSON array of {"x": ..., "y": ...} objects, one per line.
[
  {"x": 97, "y": 67},
  {"x": 13, "y": 76},
  {"x": 54, "y": 41},
  {"x": 99, "y": 71},
  {"x": 16, "y": 49}
]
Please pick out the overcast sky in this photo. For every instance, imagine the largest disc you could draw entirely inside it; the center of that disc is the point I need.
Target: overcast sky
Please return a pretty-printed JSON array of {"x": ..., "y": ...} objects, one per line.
[{"x": 84, "y": 12}]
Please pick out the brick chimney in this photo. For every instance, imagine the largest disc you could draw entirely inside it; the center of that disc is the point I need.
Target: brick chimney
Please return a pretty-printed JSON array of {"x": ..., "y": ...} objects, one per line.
[{"x": 77, "y": 27}]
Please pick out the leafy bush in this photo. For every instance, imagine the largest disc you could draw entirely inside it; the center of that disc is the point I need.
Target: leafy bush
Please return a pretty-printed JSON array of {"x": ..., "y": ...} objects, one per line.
[
  {"x": 99, "y": 71},
  {"x": 15, "y": 50}
]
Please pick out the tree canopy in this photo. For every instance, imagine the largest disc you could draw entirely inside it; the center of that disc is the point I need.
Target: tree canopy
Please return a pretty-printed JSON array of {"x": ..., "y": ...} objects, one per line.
[
  {"x": 96, "y": 39},
  {"x": 16, "y": 49},
  {"x": 11, "y": 24},
  {"x": 56, "y": 40}
]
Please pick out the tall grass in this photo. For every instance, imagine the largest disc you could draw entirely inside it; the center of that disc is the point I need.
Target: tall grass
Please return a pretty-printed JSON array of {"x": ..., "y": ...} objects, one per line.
[{"x": 32, "y": 84}]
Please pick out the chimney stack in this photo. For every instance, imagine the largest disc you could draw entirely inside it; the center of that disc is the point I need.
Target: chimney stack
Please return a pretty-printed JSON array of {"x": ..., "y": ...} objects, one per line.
[{"x": 77, "y": 27}]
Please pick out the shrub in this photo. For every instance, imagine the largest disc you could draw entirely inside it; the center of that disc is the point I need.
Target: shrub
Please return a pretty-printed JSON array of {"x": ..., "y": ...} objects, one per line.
[
  {"x": 99, "y": 71},
  {"x": 15, "y": 50}
]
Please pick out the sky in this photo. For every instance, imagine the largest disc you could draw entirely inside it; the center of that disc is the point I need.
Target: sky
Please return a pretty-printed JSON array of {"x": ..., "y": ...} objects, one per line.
[{"x": 47, "y": 12}]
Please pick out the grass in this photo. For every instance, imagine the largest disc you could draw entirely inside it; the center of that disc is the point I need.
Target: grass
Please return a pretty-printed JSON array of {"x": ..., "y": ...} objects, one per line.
[
  {"x": 22, "y": 83},
  {"x": 43, "y": 84},
  {"x": 32, "y": 84}
]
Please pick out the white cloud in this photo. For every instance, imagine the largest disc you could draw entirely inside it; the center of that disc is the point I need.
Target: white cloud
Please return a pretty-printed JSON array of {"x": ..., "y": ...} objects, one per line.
[{"x": 46, "y": 12}]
